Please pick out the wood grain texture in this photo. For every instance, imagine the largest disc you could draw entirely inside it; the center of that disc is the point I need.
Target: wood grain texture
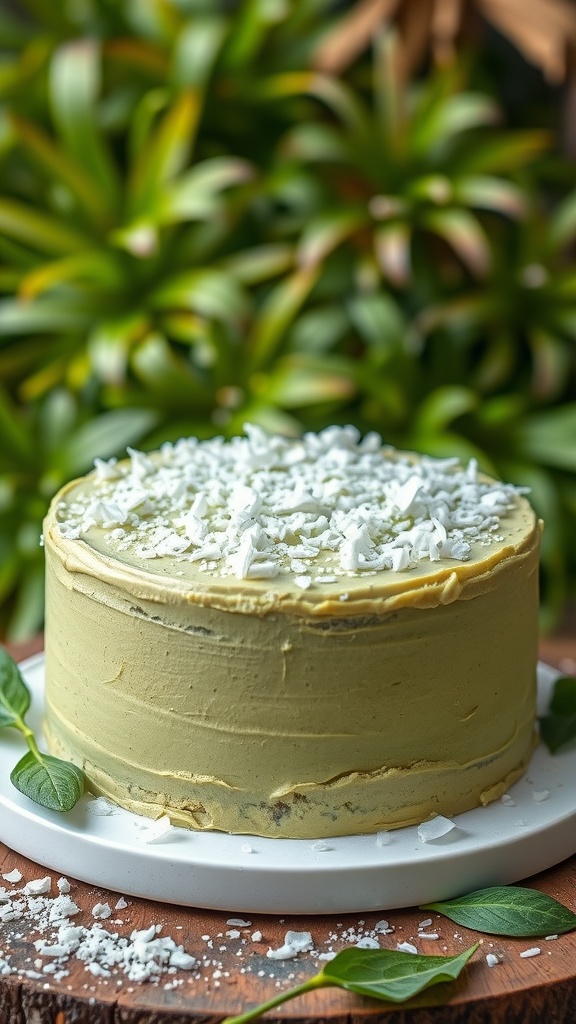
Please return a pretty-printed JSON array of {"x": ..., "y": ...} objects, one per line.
[{"x": 517, "y": 991}]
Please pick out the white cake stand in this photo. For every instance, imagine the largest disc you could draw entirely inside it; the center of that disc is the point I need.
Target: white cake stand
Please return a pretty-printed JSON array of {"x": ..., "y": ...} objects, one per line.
[{"x": 493, "y": 845}]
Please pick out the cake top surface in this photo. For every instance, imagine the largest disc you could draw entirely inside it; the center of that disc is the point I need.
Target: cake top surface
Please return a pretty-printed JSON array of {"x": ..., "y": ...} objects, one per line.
[{"x": 323, "y": 513}]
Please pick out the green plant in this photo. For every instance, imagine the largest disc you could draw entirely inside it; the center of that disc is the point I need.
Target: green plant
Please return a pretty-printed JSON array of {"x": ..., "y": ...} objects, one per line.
[{"x": 198, "y": 229}]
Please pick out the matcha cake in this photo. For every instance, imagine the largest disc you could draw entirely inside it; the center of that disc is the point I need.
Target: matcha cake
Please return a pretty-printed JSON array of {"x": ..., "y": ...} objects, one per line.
[{"x": 292, "y": 638}]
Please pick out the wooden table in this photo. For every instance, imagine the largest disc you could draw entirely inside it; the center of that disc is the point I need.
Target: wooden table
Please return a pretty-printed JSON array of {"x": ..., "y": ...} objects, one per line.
[{"x": 516, "y": 991}]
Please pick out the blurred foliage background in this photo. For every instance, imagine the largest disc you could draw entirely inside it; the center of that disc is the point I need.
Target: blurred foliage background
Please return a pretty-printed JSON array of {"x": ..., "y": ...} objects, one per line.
[{"x": 294, "y": 212}]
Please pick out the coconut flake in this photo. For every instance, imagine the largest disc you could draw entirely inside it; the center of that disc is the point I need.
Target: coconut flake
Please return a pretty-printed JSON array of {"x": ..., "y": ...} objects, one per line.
[
  {"x": 13, "y": 876},
  {"x": 539, "y": 795},
  {"x": 436, "y": 828},
  {"x": 158, "y": 832},
  {"x": 101, "y": 911},
  {"x": 255, "y": 506},
  {"x": 38, "y": 886},
  {"x": 294, "y": 943},
  {"x": 533, "y": 951}
]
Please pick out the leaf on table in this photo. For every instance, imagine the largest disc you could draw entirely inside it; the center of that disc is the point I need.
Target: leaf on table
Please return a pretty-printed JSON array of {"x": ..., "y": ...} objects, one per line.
[
  {"x": 392, "y": 974},
  {"x": 508, "y": 910}
]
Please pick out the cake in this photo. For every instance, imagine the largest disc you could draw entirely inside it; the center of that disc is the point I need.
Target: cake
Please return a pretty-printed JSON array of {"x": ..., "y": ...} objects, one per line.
[{"x": 292, "y": 638}]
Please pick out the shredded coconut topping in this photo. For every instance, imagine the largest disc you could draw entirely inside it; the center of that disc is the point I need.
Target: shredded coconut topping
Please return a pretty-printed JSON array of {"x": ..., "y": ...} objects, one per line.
[{"x": 318, "y": 508}]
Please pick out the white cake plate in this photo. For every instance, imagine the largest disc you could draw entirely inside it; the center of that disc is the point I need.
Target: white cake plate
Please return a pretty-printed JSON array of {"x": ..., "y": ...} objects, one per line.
[{"x": 492, "y": 845}]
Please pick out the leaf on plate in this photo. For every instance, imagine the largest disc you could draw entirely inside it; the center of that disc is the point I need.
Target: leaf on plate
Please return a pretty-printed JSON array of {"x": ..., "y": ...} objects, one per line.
[{"x": 48, "y": 781}]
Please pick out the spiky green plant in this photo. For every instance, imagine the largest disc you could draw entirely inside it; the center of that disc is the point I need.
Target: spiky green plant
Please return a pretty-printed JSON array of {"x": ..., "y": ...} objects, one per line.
[{"x": 197, "y": 229}]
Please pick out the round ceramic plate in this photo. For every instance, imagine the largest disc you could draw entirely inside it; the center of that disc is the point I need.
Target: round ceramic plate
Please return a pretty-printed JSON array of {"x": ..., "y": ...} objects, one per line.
[{"x": 532, "y": 829}]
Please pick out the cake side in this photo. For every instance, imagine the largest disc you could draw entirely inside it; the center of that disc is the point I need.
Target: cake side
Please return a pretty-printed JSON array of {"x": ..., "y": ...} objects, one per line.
[{"x": 256, "y": 705}]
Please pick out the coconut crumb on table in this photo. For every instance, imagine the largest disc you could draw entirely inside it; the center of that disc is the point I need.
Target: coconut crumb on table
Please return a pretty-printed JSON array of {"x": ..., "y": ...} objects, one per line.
[{"x": 52, "y": 922}]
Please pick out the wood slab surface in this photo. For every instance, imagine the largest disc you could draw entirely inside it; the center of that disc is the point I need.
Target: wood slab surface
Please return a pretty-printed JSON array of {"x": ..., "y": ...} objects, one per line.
[{"x": 233, "y": 972}]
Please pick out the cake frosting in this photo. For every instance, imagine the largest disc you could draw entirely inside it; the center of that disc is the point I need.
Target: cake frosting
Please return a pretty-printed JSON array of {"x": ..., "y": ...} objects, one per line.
[{"x": 292, "y": 638}]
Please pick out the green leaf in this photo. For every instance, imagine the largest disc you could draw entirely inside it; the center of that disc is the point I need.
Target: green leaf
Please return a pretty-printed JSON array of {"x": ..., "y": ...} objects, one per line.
[
  {"x": 442, "y": 406},
  {"x": 44, "y": 315},
  {"x": 379, "y": 320},
  {"x": 550, "y": 437},
  {"x": 386, "y": 974},
  {"x": 558, "y": 727},
  {"x": 392, "y": 250},
  {"x": 463, "y": 233},
  {"x": 196, "y": 194},
  {"x": 508, "y": 910},
  {"x": 196, "y": 49},
  {"x": 14, "y": 695},
  {"x": 313, "y": 142},
  {"x": 95, "y": 267},
  {"x": 341, "y": 100},
  {"x": 299, "y": 381},
  {"x": 455, "y": 114},
  {"x": 110, "y": 343},
  {"x": 325, "y": 233},
  {"x": 165, "y": 154},
  {"x": 260, "y": 263},
  {"x": 392, "y": 974},
  {"x": 74, "y": 87},
  {"x": 484, "y": 192},
  {"x": 28, "y": 614},
  {"x": 213, "y": 293},
  {"x": 104, "y": 436},
  {"x": 509, "y": 151},
  {"x": 39, "y": 230},
  {"x": 562, "y": 227},
  {"x": 166, "y": 376},
  {"x": 48, "y": 781},
  {"x": 62, "y": 167},
  {"x": 278, "y": 311}
]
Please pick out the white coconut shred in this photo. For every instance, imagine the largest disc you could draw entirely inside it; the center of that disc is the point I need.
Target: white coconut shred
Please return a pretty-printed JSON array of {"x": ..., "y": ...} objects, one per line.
[{"x": 316, "y": 509}]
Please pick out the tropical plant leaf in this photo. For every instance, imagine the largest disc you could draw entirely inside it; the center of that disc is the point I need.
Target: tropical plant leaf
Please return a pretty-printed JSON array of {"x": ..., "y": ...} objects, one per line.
[
  {"x": 39, "y": 230},
  {"x": 14, "y": 695},
  {"x": 550, "y": 437},
  {"x": 278, "y": 312},
  {"x": 211, "y": 292},
  {"x": 61, "y": 167},
  {"x": 165, "y": 155},
  {"x": 447, "y": 119},
  {"x": 392, "y": 250},
  {"x": 74, "y": 88},
  {"x": 324, "y": 234},
  {"x": 105, "y": 435},
  {"x": 463, "y": 233},
  {"x": 558, "y": 726},
  {"x": 41, "y": 316},
  {"x": 196, "y": 194},
  {"x": 196, "y": 50},
  {"x": 252, "y": 266},
  {"x": 95, "y": 267},
  {"x": 485, "y": 192}
]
